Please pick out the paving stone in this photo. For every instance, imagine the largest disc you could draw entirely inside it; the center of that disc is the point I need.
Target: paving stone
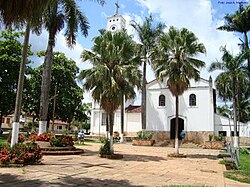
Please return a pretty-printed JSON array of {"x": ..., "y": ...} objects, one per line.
[{"x": 141, "y": 166}]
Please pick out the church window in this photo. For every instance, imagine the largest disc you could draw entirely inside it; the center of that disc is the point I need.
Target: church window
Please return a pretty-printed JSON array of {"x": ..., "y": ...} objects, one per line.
[
  {"x": 104, "y": 119},
  {"x": 162, "y": 100},
  {"x": 117, "y": 20},
  {"x": 192, "y": 100}
]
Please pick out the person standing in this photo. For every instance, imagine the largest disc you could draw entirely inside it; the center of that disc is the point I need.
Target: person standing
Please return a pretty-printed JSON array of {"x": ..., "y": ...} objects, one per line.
[{"x": 182, "y": 135}]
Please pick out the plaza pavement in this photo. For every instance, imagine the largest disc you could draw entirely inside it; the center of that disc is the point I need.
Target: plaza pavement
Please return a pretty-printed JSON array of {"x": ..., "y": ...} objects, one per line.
[{"x": 141, "y": 166}]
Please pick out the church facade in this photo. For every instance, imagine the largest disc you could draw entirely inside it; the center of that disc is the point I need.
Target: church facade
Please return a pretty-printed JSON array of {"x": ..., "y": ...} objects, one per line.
[
  {"x": 197, "y": 115},
  {"x": 197, "y": 109}
]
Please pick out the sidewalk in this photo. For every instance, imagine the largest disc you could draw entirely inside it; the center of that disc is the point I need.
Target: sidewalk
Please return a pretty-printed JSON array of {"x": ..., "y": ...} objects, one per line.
[{"x": 141, "y": 166}]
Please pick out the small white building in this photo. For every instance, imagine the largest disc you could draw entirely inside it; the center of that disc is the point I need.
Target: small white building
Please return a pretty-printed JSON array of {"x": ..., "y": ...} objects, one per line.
[{"x": 132, "y": 120}]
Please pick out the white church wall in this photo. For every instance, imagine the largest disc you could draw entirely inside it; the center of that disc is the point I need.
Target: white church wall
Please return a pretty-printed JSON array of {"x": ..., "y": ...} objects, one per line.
[
  {"x": 132, "y": 123},
  {"x": 157, "y": 116},
  {"x": 196, "y": 118}
]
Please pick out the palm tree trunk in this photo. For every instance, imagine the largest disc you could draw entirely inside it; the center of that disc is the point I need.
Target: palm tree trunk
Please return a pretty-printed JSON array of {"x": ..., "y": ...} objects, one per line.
[
  {"x": 107, "y": 126},
  {"x": 235, "y": 117},
  {"x": 18, "y": 104},
  {"x": 143, "y": 103},
  {"x": 1, "y": 118},
  {"x": 176, "y": 125},
  {"x": 111, "y": 122},
  {"x": 45, "y": 87},
  {"x": 54, "y": 109},
  {"x": 247, "y": 49},
  {"x": 122, "y": 116}
]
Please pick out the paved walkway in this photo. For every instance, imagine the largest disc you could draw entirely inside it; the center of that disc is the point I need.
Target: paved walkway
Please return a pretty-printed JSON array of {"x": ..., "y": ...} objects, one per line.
[{"x": 141, "y": 166}]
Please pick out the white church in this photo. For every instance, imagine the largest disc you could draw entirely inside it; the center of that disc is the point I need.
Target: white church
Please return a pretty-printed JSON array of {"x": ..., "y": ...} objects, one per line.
[{"x": 197, "y": 110}]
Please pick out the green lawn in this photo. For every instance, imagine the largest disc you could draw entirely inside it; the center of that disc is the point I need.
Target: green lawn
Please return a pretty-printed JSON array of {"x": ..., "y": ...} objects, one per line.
[
  {"x": 86, "y": 141},
  {"x": 3, "y": 139},
  {"x": 242, "y": 175}
]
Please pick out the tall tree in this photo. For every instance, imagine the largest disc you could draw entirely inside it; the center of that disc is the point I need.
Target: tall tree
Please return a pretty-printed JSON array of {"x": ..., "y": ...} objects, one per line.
[
  {"x": 234, "y": 72},
  {"x": 239, "y": 22},
  {"x": 69, "y": 94},
  {"x": 148, "y": 33},
  {"x": 110, "y": 56},
  {"x": 174, "y": 60},
  {"x": 18, "y": 12},
  {"x": 60, "y": 12},
  {"x": 10, "y": 57}
]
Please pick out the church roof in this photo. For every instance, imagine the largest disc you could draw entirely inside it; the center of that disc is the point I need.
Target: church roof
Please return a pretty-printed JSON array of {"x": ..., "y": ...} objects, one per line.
[{"x": 133, "y": 109}]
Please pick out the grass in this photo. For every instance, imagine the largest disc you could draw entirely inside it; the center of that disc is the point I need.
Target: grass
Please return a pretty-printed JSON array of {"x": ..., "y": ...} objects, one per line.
[
  {"x": 242, "y": 175},
  {"x": 3, "y": 139},
  {"x": 86, "y": 141}
]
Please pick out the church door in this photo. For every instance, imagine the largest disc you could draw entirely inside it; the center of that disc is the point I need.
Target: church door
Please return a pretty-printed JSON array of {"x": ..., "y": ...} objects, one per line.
[{"x": 172, "y": 128}]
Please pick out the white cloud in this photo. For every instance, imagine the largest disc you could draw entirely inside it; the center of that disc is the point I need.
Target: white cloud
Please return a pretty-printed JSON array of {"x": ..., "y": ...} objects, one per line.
[{"x": 198, "y": 17}]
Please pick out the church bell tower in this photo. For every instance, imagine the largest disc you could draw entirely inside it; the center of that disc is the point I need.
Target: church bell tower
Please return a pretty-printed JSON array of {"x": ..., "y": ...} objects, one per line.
[{"x": 116, "y": 22}]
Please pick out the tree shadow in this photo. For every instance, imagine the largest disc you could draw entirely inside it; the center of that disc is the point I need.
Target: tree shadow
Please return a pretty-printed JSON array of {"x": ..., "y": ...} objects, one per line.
[
  {"x": 142, "y": 158},
  {"x": 7, "y": 180},
  {"x": 13, "y": 180},
  {"x": 199, "y": 156},
  {"x": 89, "y": 153},
  {"x": 84, "y": 181}
]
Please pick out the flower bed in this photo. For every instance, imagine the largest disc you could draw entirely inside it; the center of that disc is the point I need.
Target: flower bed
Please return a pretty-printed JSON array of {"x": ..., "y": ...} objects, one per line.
[
  {"x": 46, "y": 137},
  {"x": 21, "y": 138},
  {"x": 62, "y": 141},
  {"x": 24, "y": 154}
]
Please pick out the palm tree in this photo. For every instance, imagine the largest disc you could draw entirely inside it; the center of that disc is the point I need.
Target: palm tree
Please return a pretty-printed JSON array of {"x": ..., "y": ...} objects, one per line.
[
  {"x": 148, "y": 33},
  {"x": 174, "y": 59},
  {"x": 59, "y": 12},
  {"x": 114, "y": 67},
  {"x": 239, "y": 22},
  {"x": 234, "y": 73},
  {"x": 18, "y": 11},
  {"x": 223, "y": 110}
]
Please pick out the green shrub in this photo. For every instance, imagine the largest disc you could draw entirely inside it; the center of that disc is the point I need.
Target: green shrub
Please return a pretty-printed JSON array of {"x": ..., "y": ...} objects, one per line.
[
  {"x": 144, "y": 135},
  {"x": 243, "y": 151},
  {"x": 75, "y": 135},
  {"x": 66, "y": 132},
  {"x": 220, "y": 137},
  {"x": 105, "y": 148},
  {"x": 210, "y": 136},
  {"x": 62, "y": 141}
]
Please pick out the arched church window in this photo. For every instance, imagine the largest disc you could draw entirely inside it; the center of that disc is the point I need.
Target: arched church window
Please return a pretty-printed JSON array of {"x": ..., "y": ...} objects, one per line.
[
  {"x": 192, "y": 100},
  {"x": 162, "y": 100}
]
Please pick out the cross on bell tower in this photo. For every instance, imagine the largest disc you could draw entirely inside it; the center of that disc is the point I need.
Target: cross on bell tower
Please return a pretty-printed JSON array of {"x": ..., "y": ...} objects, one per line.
[
  {"x": 117, "y": 7},
  {"x": 116, "y": 22}
]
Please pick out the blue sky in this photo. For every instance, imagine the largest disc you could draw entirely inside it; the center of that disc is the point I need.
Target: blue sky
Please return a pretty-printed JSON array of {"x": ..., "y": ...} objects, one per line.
[{"x": 200, "y": 16}]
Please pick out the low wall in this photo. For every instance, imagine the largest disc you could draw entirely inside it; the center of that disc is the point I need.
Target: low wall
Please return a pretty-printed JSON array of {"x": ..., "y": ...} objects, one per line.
[
  {"x": 244, "y": 141},
  {"x": 198, "y": 137}
]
